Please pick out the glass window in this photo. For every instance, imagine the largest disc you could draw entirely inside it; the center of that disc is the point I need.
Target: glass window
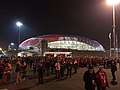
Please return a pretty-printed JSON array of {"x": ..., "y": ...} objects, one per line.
[{"x": 70, "y": 45}]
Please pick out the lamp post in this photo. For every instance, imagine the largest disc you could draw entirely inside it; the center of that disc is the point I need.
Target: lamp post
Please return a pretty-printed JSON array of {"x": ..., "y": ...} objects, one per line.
[
  {"x": 110, "y": 43},
  {"x": 19, "y": 24},
  {"x": 113, "y": 3},
  {"x": 114, "y": 32}
]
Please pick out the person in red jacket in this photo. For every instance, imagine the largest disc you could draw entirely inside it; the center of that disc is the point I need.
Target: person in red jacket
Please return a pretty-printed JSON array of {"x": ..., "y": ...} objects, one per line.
[{"x": 102, "y": 81}]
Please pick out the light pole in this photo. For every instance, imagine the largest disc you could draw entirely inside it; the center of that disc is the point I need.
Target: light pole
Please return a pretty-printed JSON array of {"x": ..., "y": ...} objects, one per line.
[
  {"x": 19, "y": 24},
  {"x": 113, "y": 3},
  {"x": 110, "y": 43}
]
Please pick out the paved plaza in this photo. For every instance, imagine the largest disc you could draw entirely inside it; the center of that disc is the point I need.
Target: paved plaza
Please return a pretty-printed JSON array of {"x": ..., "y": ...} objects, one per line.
[{"x": 50, "y": 83}]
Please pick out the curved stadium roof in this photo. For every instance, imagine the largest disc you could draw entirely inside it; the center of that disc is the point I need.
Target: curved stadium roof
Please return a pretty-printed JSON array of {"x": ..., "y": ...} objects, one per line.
[{"x": 67, "y": 41}]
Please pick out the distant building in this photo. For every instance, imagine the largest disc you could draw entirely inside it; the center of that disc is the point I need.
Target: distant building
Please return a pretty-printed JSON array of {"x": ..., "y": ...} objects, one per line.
[
  {"x": 60, "y": 42},
  {"x": 12, "y": 46}
]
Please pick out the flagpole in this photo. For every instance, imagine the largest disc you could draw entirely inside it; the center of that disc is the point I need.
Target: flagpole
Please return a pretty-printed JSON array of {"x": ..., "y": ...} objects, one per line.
[
  {"x": 116, "y": 45},
  {"x": 110, "y": 44}
]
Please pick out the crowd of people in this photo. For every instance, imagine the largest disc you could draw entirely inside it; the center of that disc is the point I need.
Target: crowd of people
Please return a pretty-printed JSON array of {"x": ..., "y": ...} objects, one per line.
[
  {"x": 99, "y": 79},
  {"x": 59, "y": 66},
  {"x": 40, "y": 66}
]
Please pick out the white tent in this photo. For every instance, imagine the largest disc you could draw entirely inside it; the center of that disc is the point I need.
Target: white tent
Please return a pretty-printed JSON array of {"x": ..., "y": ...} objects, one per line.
[{"x": 25, "y": 54}]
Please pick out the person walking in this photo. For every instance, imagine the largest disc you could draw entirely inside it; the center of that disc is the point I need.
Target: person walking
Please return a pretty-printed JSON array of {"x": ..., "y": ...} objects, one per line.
[
  {"x": 62, "y": 69},
  {"x": 69, "y": 68},
  {"x": 2, "y": 67},
  {"x": 24, "y": 67},
  {"x": 7, "y": 72},
  {"x": 113, "y": 70},
  {"x": 75, "y": 65},
  {"x": 40, "y": 71},
  {"x": 89, "y": 78},
  {"x": 18, "y": 72},
  {"x": 57, "y": 69},
  {"x": 34, "y": 68},
  {"x": 102, "y": 81}
]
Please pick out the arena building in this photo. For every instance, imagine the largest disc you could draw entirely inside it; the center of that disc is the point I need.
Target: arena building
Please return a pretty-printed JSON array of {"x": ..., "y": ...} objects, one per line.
[{"x": 60, "y": 42}]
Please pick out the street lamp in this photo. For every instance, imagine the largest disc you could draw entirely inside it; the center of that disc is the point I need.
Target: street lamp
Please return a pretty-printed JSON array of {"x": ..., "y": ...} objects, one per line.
[
  {"x": 19, "y": 24},
  {"x": 3, "y": 52},
  {"x": 113, "y": 3}
]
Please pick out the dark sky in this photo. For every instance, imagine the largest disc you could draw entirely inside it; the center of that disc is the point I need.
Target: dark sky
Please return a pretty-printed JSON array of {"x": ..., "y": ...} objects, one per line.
[{"x": 88, "y": 18}]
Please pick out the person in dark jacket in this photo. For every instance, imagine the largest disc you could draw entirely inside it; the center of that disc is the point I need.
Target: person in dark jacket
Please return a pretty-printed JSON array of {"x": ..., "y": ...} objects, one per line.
[
  {"x": 18, "y": 72},
  {"x": 40, "y": 71},
  {"x": 34, "y": 68},
  {"x": 89, "y": 78},
  {"x": 2, "y": 67},
  {"x": 69, "y": 68},
  {"x": 24, "y": 67},
  {"x": 113, "y": 70},
  {"x": 62, "y": 70}
]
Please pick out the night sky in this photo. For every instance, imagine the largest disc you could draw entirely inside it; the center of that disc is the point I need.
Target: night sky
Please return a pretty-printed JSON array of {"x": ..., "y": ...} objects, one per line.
[{"x": 87, "y": 18}]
